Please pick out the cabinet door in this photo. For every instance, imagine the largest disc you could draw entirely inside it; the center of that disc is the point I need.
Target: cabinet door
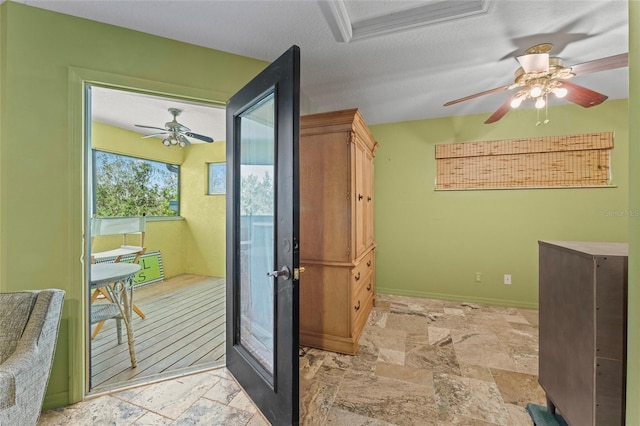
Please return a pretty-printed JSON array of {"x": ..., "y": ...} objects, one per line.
[
  {"x": 360, "y": 214},
  {"x": 368, "y": 199},
  {"x": 325, "y": 185}
]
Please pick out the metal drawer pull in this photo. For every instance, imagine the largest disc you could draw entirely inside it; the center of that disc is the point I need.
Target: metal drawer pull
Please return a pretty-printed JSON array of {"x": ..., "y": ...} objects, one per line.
[
  {"x": 357, "y": 307},
  {"x": 368, "y": 263},
  {"x": 358, "y": 276},
  {"x": 359, "y": 196},
  {"x": 369, "y": 287}
]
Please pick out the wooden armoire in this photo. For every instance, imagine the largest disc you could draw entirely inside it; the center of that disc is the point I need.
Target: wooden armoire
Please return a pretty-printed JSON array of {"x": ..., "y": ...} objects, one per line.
[{"x": 337, "y": 288}]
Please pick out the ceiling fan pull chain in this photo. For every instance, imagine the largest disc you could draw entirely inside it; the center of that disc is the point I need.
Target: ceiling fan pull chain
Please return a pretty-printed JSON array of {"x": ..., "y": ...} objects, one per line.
[{"x": 546, "y": 109}]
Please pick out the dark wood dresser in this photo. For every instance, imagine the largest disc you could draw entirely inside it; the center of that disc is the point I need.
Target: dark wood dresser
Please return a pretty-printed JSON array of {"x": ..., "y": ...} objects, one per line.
[{"x": 583, "y": 328}]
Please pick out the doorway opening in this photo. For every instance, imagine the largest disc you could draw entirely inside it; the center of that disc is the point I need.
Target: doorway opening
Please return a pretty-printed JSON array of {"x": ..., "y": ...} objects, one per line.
[{"x": 150, "y": 157}]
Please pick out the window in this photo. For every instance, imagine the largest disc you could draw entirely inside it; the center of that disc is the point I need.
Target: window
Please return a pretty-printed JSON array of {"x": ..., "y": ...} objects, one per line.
[
  {"x": 130, "y": 186},
  {"x": 543, "y": 162},
  {"x": 217, "y": 179}
]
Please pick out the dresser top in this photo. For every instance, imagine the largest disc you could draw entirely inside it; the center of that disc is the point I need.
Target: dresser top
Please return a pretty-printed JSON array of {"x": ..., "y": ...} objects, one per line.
[{"x": 591, "y": 248}]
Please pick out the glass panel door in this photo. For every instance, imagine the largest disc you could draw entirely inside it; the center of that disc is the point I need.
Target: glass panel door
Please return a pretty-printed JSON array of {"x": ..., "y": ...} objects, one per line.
[
  {"x": 262, "y": 238},
  {"x": 257, "y": 206}
]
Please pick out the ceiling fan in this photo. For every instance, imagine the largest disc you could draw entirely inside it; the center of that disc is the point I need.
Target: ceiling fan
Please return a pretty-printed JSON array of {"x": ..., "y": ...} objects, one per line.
[
  {"x": 176, "y": 133},
  {"x": 540, "y": 75}
]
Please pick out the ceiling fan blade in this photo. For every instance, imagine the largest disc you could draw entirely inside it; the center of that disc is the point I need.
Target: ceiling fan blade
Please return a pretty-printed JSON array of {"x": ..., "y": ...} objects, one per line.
[
  {"x": 197, "y": 136},
  {"x": 153, "y": 135},
  {"x": 150, "y": 127},
  {"x": 582, "y": 96},
  {"x": 500, "y": 112},
  {"x": 534, "y": 62},
  {"x": 486, "y": 92},
  {"x": 602, "y": 64}
]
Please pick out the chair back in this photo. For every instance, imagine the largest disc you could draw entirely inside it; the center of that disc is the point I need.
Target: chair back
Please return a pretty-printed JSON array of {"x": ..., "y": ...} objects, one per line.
[
  {"x": 104, "y": 226},
  {"x": 118, "y": 225}
]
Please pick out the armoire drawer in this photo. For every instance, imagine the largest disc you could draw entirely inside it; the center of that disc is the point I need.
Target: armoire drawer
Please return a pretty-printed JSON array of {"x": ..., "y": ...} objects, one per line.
[
  {"x": 363, "y": 268},
  {"x": 362, "y": 301}
]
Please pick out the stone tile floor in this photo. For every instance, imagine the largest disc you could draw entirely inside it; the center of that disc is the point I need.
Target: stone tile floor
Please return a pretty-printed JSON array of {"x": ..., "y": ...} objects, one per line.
[{"x": 420, "y": 362}]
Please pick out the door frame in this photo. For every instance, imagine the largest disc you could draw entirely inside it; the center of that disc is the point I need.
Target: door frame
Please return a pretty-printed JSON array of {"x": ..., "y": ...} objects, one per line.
[{"x": 79, "y": 331}]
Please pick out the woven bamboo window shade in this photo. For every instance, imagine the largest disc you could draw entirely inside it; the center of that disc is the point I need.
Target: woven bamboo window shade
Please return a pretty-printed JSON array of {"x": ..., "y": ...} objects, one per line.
[{"x": 545, "y": 162}]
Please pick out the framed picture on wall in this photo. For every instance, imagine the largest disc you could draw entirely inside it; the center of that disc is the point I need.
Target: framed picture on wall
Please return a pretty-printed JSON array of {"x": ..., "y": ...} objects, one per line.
[{"x": 217, "y": 179}]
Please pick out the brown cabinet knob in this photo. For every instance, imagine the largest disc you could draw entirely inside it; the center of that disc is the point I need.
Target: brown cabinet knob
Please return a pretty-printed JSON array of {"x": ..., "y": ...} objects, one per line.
[
  {"x": 357, "y": 307},
  {"x": 368, "y": 263},
  {"x": 369, "y": 287},
  {"x": 358, "y": 276}
]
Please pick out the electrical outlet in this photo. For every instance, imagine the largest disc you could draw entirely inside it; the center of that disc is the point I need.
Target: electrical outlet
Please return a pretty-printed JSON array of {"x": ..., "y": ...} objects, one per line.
[
  {"x": 478, "y": 277},
  {"x": 507, "y": 279}
]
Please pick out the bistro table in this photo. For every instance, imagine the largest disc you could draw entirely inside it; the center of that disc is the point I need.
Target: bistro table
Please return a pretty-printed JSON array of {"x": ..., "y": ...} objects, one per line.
[{"x": 117, "y": 279}]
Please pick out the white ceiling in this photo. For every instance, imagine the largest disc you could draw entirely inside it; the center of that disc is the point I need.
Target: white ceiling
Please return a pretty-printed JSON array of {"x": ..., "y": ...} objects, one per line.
[
  {"x": 406, "y": 72},
  {"x": 126, "y": 109}
]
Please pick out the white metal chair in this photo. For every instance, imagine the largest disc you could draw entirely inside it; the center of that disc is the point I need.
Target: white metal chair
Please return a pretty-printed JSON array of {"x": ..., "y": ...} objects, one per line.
[
  {"x": 132, "y": 227},
  {"x": 125, "y": 226}
]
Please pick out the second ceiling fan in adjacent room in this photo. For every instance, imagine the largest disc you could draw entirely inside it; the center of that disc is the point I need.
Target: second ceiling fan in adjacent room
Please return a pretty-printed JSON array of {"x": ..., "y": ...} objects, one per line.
[{"x": 174, "y": 133}]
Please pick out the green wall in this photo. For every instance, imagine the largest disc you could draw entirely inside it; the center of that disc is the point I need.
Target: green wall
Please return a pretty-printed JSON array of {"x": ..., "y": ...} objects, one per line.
[
  {"x": 46, "y": 57},
  {"x": 205, "y": 215},
  {"x": 633, "y": 341},
  {"x": 431, "y": 243},
  {"x": 194, "y": 244}
]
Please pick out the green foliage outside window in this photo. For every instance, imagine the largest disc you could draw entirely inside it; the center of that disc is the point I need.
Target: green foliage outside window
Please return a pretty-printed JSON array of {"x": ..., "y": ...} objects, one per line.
[
  {"x": 256, "y": 196},
  {"x": 127, "y": 186}
]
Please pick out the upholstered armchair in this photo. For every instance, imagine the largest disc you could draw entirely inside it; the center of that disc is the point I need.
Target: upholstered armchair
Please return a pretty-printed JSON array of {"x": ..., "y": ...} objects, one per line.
[{"x": 29, "y": 323}]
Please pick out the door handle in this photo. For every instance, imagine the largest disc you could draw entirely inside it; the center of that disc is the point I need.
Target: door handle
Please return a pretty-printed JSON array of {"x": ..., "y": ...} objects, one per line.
[{"x": 283, "y": 273}]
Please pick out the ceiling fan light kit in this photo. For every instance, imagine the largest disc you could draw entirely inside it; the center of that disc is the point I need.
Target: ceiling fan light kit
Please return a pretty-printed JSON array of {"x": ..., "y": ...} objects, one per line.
[
  {"x": 540, "y": 75},
  {"x": 171, "y": 140},
  {"x": 174, "y": 133}
]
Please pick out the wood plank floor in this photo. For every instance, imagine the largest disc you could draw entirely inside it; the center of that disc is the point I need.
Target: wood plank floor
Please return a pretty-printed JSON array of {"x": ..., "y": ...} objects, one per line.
[{"x": 184, "y": 328}]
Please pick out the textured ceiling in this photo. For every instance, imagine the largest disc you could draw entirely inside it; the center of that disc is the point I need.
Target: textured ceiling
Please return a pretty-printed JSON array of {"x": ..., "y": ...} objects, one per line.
[{"x": 405, "y": 74}]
